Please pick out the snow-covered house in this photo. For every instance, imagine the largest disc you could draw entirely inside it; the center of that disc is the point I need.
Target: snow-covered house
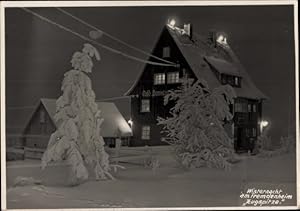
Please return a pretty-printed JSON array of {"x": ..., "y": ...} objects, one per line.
[
  {"x": 208, "y": 57},
  {"x": 41, "y": 125}
]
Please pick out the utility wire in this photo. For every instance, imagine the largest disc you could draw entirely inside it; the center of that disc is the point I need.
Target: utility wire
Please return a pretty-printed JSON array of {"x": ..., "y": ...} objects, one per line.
[
  {"x": 19, "y": 108},
  {"x": 112, "y": 37},
  {"x": 93, "y": 41}
]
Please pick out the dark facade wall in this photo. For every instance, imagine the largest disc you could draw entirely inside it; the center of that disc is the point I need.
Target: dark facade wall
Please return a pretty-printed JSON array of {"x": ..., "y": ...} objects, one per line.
[
  {"x": 244, "y": 123},
  {"x": 145, "y": 89},
  {"x": 39, "y": 129}
]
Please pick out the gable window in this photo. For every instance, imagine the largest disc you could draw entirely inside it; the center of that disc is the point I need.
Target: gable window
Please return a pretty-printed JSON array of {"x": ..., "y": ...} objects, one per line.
[
  {"x": 42, "y": 117},
  {"x": 145, "y": 105},
  {"x": 159, "y": 78},
  {"x": 145, "y": 132},
  {"x": 166, "y": 52},
  {"x": 173, "y": 77}
]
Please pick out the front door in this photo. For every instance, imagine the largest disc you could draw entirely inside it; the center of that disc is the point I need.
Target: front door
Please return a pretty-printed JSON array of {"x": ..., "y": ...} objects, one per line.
[{"x": 240, "y": 140}]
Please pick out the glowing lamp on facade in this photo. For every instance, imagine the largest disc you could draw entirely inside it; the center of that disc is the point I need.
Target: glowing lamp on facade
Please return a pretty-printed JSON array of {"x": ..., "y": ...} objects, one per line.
[
  {"x": 263, "y": 124},
  {"x": 130, "y": 122}
]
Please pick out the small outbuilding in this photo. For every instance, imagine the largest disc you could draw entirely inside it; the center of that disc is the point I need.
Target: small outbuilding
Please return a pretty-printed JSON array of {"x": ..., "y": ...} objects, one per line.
[{"x": 41, "y": 125}]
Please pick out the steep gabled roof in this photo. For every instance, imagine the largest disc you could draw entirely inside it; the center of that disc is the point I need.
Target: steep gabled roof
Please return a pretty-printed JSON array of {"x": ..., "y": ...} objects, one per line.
[
  {"x": 113, "y": 123},
  {"x": 200, "y": 56},
  {"x": 50, "y": 106}
]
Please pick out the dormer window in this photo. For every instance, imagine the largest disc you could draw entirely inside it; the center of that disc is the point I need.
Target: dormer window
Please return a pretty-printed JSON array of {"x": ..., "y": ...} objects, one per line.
[
  {"x": 166, "y": 52},
  {"x": 173, "y": 77},
  {"x": 159, "y": 78},
  {"x": 234, "y": 81},
  {"x": 227, "y": 72}
]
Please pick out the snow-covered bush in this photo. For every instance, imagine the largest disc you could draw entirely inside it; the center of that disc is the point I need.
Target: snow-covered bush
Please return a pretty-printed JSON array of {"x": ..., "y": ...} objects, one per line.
[
  {"x": 196, "y": 126},
  {"x": 26, "y": 181},
  {"x": 77, "y": 138},
  {"x": 264, "y": 142},
  {"x": 265, "y": 148},
  {"x": 288, "y": 144},
  {"x": 151, "y": 160}
]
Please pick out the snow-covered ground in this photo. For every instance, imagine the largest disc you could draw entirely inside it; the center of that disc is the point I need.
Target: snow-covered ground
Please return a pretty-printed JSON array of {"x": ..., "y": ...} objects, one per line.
[{"x": 168, "y": 186}]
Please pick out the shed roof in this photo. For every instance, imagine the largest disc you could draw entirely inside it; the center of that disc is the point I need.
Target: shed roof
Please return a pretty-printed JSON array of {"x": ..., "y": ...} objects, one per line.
[
  {"x": 222, "y": 66},
  {"x": 114, "y": 122}
]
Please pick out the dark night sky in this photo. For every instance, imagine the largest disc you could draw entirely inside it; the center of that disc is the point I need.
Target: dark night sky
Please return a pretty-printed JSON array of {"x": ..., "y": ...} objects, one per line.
[{"x": 38, "y": 54}]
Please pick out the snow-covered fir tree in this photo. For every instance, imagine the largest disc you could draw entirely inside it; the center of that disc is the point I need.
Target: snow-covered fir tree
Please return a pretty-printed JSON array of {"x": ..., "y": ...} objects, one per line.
[
  {"x": 195, "y": 127},
  {"x": 78, "y": 119}
]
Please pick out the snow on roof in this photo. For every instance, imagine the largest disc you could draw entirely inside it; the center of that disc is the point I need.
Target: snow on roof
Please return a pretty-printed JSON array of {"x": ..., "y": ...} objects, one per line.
[
  {"x": 123, "y": 103},
  {"x": 114, "y": 122},
  {"x": 222, "y": 66},
  {"x": 197, "y": 52}
]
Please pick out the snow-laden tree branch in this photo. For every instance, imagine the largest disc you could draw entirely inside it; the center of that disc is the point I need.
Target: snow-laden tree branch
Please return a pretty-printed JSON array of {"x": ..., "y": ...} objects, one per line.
[
  {"x": 78, "y": 119},
  {"x": 196, "y": 126}
]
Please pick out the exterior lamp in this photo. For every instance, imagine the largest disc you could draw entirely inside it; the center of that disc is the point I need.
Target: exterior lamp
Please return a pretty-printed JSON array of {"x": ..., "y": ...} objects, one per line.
[
  {"x": 172, "y": 23},
  {"x": 130, "y": 122},
  {"x": 263, "y": 124}
]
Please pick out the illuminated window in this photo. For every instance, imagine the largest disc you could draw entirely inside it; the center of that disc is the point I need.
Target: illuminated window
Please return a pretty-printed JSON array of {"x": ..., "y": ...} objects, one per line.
[
  {"x": 236, "y": 81},
  {"x": 231, "y": 80},
  {"x": 166, "y": 52},
  {"x": 146, "y": 132},
  {"x": 145, "y": 105},
  {"x": 254, "y": 132},
  {"x": 240, "y": 107},
  {"x": 173, "y": 77},
  {"x": 159, "y": 78},
  {"x": 249, "y": 107},
  {"x": 254, "y": 108}
]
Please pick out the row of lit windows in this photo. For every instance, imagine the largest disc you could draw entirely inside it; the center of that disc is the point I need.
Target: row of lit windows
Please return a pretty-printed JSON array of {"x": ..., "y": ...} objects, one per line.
[
  {"x": 251, "y": 132},
  {"x": 160, "y": 78},
  {"x": 231, "y": 80},
  {"x": 242, "y": 107}
]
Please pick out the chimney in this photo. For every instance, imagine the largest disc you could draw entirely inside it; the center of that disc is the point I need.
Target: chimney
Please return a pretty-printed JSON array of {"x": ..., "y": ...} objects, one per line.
[
  {"x": 187, "y": 28},
  {"x": 212, "y": 36}
]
